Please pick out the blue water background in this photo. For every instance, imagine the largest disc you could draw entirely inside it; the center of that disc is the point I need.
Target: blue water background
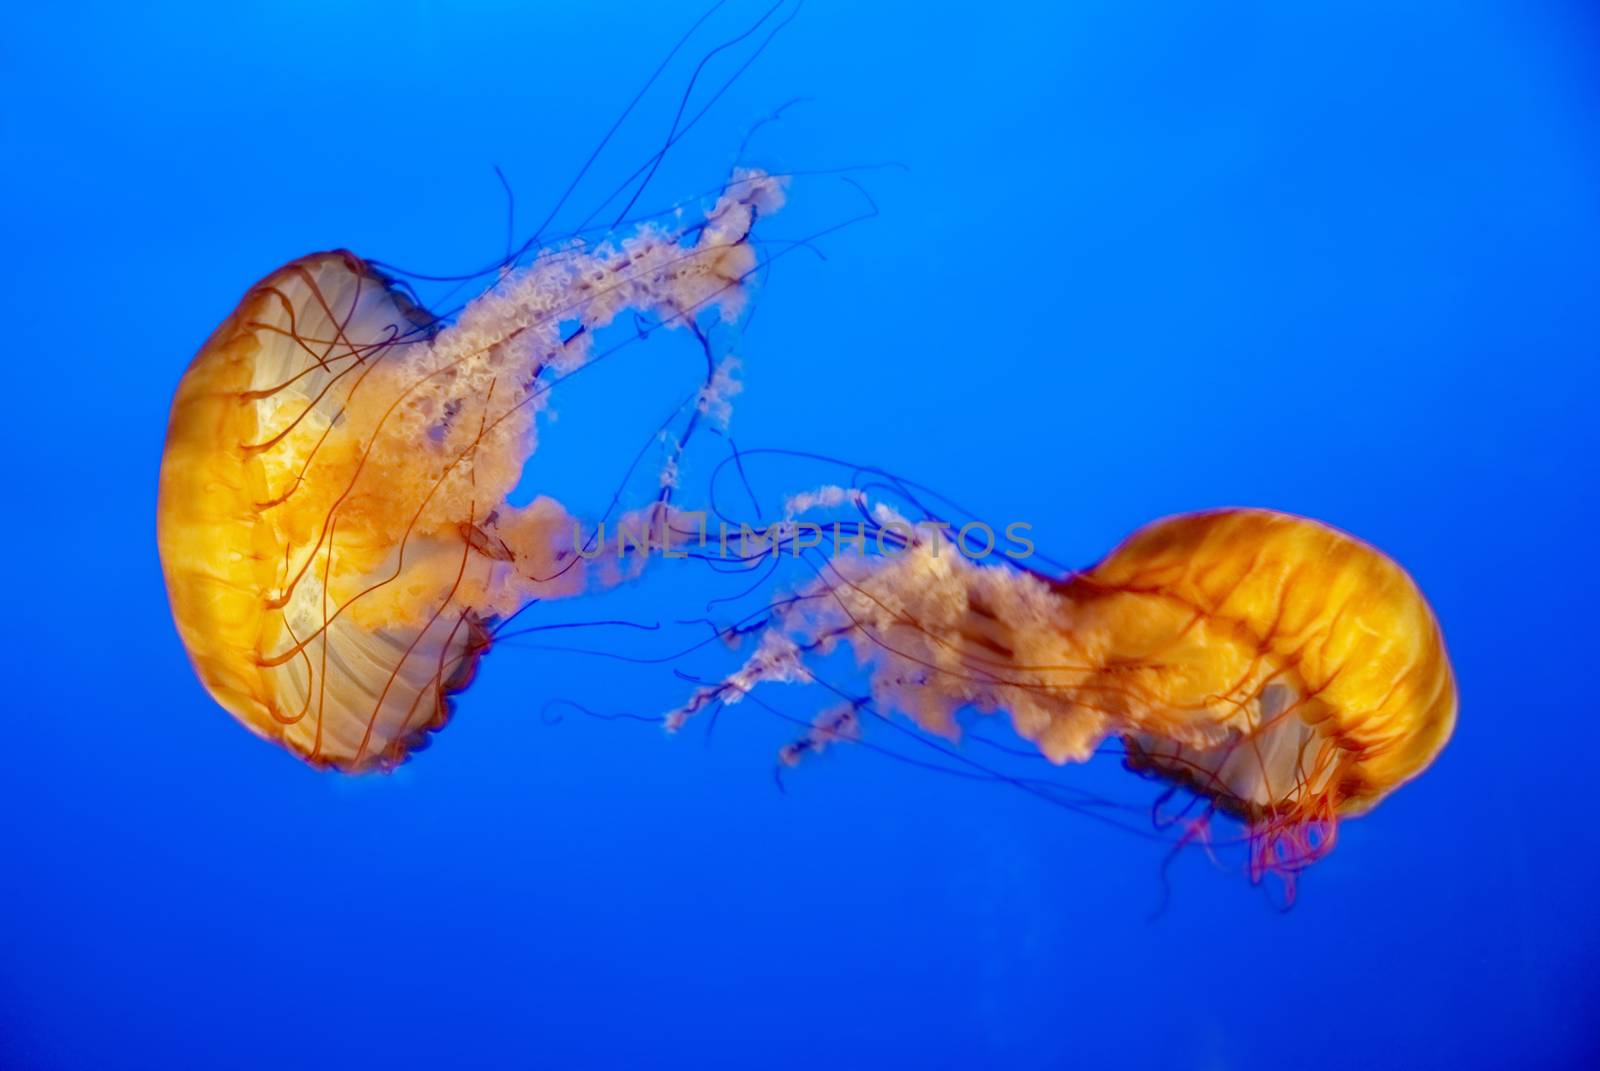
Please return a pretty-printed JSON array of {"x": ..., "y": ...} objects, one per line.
[{"x": 1334, "y": 258}]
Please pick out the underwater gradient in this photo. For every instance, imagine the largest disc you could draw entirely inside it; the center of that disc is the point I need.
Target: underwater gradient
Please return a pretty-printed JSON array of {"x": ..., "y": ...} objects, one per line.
[{"x": 1078, "y": 266}]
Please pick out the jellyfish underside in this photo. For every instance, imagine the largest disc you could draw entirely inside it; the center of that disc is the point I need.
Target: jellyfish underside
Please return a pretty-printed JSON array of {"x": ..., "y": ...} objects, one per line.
[{"x": 337, "y": 541}]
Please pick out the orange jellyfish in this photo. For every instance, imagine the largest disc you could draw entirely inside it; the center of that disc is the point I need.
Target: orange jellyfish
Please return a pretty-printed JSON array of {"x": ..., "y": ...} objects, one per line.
[
  {"x": 338, "y": 542},
  {"x": 333, "y": 521},
  {"x": 1285, "y": 672}
]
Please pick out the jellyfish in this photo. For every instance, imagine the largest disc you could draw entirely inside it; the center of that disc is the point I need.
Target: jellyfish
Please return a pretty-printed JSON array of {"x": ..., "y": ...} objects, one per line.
[
  {"x": 1283, "y": 671},
  {"x": 333, "y": 518},
  {"x": 340, "y": 548}
]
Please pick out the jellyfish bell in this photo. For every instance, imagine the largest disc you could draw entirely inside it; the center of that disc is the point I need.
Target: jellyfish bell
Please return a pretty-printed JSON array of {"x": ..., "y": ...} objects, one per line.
[
  {"x": 1292, "y": 675},
  {"x": 1284, "y": 672},
  {"x": 333, "y": 522},
  {"x": 251, "y": 411}
]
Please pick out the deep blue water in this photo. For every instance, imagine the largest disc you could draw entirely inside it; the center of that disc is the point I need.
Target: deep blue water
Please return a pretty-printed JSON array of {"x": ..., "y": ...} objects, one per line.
[{"x": 1333, "y": 258}]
